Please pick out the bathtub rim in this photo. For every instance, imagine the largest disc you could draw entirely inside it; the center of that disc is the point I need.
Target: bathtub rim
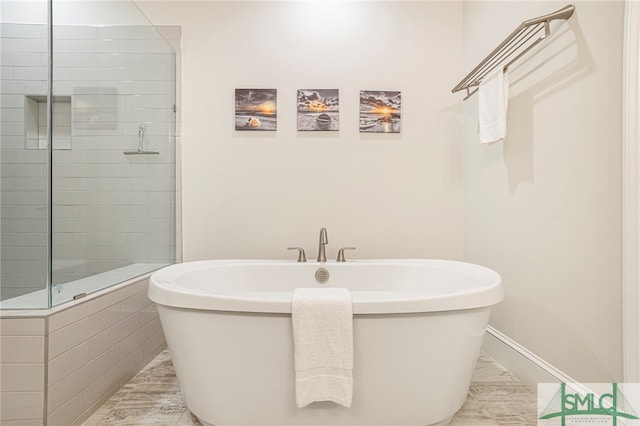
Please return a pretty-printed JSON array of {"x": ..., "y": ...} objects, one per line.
[{"x": 164, "y": 291}]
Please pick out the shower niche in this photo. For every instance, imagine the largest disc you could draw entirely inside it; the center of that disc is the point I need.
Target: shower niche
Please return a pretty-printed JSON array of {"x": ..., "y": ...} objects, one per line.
[
  {"x": 35, "y": 122},
  {"x": 88, "y": 108}
]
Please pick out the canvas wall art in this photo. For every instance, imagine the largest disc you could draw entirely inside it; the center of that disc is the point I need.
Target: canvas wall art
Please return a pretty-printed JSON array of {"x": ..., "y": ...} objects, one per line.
[
  {"x": 318, "y": 110},
  {"x": 380, "y": 111},
  {"x": 256, "y": 109}
]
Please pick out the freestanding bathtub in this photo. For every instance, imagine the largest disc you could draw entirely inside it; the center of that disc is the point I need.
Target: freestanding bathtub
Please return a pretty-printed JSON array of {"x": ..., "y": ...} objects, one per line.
[{"x": 418, "y": 328}]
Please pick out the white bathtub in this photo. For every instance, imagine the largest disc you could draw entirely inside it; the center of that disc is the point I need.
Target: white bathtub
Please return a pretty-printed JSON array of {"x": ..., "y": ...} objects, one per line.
[{"x": 418, "y": 328}]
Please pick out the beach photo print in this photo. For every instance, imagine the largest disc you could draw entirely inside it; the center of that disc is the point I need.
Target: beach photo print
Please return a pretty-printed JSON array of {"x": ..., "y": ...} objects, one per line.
[
  {"x": 256, "y": 109},
  {"x": 380, "y": 111},
  {"x": 318, "y": 110}
]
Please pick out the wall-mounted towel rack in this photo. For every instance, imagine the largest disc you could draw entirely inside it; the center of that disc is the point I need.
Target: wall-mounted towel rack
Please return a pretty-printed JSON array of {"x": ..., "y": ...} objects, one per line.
[{"x": 519, "y": 42}]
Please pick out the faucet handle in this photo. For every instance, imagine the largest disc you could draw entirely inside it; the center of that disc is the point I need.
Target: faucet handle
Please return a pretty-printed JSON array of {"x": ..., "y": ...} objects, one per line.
[
  {"x": 301, "y": 256},
  {"x": 341, "y": 253}
]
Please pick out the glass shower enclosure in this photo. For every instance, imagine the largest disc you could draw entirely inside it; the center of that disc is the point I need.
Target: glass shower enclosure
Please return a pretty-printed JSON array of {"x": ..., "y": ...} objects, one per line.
[{"x": 87, "y": 149}]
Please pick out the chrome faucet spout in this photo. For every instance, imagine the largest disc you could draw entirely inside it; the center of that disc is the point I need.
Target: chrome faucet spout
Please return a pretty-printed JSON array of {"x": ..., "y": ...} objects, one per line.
[{"x": 324, "y": 240}]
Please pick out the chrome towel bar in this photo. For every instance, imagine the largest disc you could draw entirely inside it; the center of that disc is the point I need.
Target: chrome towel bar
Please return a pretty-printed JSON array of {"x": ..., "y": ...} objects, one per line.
[{"x": 519, "y": 42}]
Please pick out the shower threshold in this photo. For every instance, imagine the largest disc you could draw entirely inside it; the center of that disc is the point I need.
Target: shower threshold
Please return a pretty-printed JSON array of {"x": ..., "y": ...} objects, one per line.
[{"x": 66, "y": 292}]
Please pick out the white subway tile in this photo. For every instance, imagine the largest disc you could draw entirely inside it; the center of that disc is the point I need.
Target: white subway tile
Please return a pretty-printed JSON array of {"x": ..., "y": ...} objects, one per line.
[
  {"x": 109, "y": 299},
  {"x": 30, "y": 422},
  {"x": 144, "y": 88},
  {"x": 21, "y": 349},
  {"x": 31, "y": 266},
  {"x": 11, "y": 101},
  {"x": 70, "y": 225},
  {"x": 148, "y": 46},
  {"x": 126, "y": 368},
  {"x": 75, "y": 32},
  {"x": 11, "y": 30},
  {"x": 135, "y": 303},
  {"x": 66, "y": 338},
  {"x": 112, "y": 170},
  {"x": 30, "y": 183},
  {"x": 165, "y": 74},
  {"x": 18, "y": 59},
  {"x": 63, "y": 60},
  {"x": 105, "y": 384},
  {"x": 8, "y": 114},
  {"x": 68, "y": 316},
  {"x": 21, "y": 326},
  {"x": 129, "y": 32},
  {"x": 25, "y": 225},
  {"x": 21, "y": 377},
  {"x": 67, "y": 87},
  {"x": 26, "y": 253},
  {"x": 23, "y": 45},
  {"x": 68, "y": 412},
  {"x": 60, "y": 47},
  {"x": 29, "y": 73},
  {"x": 97, "y": 46},
  {"x": 23, "y": 87},
  {"x": 13, "y": 128},
  {"x": 154, "y": 345},
  {"x": 149, "y": 101},
  {"x": 131, "y": 343},
  {"x": 24, "y": 157},
  {"x": 122, "y": 59},
  {"x": 25, "y": 198},
  {"x": 68, "y": 387},
  {"x": 148, "y": 314},
  {"x": 75, "y": 170},
  {"x": 7, "y": 266},
  {"x": 92, "y": 73},
  {"x": 13, "y": 142},
  {"x": 152, "y": 328},
  {"x": 22, "y": 170},
  {"x": 30, "y": 239},
  {"x": 66, "y": 363},
  {"x": 21, "y": 406},
  {"x": 111, "y": 337},
  {"x": 7, "y": 185}
]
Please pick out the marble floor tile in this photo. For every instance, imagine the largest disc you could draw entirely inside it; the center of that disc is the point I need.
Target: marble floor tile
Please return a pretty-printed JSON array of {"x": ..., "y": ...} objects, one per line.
[{"x": 495, "y": 398}]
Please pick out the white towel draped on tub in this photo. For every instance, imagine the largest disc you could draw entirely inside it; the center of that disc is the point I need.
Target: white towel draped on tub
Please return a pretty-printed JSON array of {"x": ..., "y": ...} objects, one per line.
[
  {"x": 323, "y": 342},
  {"x": 493, "y": 98}
]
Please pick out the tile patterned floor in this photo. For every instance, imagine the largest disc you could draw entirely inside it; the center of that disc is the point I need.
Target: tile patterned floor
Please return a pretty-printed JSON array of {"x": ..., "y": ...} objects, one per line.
[{"x": 496, "y": 398}]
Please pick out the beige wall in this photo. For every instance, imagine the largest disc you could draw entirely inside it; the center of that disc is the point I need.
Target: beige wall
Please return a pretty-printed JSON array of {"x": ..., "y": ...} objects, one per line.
[
  {"x": 251, "y": 195},
  {"x": 544, "y": 207}
]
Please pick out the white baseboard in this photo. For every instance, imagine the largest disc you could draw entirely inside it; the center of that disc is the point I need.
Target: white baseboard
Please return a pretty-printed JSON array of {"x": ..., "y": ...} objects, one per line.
[{"x": 529, "y": 368}]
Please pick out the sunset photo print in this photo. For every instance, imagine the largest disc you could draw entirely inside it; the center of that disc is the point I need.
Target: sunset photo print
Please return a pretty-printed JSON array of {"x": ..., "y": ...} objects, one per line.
[{"x": 256, "y": 109}]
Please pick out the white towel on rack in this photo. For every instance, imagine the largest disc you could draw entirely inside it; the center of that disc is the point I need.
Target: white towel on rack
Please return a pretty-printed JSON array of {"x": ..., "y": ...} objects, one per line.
[
  {"x": 322, "y": 321},
  {"x": 493, "y": 97}
]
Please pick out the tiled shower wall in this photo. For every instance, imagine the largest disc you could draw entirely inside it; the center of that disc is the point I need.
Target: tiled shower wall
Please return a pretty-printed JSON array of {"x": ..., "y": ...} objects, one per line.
[{"x": 109, "y": 209}]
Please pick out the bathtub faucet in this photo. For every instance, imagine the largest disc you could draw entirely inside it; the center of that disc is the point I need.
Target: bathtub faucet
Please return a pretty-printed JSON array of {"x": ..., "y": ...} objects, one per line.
[{"x": 322, "y": 256}]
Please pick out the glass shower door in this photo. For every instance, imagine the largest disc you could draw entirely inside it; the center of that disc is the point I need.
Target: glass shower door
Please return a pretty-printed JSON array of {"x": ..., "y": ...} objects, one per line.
[
  {"x": 91, "y": 202},
  {"x": 24, "y": 162},
  {"x": 113, "y": 156}
]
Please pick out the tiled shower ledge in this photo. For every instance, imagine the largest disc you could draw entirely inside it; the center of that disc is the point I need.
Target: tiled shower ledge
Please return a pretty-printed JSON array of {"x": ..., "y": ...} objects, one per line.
[
  {"x": 63, "y": 293},
  {"x": 496, "y": 398}
]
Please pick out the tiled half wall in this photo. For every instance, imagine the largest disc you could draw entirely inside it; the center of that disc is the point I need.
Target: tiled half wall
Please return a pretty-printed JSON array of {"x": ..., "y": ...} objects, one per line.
[{"x": 58, "y": 368}]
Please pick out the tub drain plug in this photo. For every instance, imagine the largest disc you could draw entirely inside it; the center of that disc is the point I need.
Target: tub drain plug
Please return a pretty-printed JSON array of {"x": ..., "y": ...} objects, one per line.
[{"x": 322, "y": 275}]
